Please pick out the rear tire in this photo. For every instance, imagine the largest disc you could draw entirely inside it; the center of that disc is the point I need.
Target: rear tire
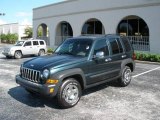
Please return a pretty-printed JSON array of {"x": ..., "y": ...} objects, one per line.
[
  {"x": 126, "y": 76},
  {"x": 18, "y": 55},
  {"x": 69, "y": 93},
  {"x": 41, "y": 52}
]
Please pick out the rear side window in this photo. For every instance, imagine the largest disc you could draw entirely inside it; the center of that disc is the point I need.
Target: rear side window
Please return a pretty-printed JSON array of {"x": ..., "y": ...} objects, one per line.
[
  {"x": 101, "y": 46},
  {"x": 35, "y": 43},
  {"x": 41, "y": 43},
  {"x": 126, "y": 44},
  {"x": 116, "y": 46}
]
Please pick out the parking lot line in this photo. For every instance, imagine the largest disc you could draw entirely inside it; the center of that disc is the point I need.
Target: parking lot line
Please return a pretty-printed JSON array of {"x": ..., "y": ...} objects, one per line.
[{"x": 145, "y": 72}]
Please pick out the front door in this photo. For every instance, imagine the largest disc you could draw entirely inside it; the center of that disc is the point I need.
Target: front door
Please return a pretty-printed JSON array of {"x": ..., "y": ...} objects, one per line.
[
  {"x": 99, "y": 69},
  {"x": 27, "y": 48}
]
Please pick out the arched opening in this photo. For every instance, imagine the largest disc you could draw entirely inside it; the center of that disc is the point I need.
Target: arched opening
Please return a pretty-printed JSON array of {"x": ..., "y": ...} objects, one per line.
[
  {"x": 136, "y": 29},
  {"x": 93, "y": 26},
  {"x": 43, "y": 32},
  {"x": 64, "y": 31}
]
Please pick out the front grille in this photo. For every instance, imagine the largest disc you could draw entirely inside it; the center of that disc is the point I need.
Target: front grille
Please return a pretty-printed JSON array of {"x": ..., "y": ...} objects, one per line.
[{"x": 30, "y": 74}]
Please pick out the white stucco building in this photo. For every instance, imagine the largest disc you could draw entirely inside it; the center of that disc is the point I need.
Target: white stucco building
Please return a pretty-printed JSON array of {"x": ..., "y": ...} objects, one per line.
[
  {"x": 14, "y": 28},
  {"x": 137, "y": 19}
]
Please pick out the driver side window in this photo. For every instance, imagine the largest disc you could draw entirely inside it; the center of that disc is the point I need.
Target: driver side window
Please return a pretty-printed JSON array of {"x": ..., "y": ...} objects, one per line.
[
  {"x": 28, "y": 43},
  {"x": 101, "y": 46}
]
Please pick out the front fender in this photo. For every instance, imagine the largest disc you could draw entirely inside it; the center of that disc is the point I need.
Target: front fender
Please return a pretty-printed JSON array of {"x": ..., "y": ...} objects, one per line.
[{"x": 69, "y": 73}]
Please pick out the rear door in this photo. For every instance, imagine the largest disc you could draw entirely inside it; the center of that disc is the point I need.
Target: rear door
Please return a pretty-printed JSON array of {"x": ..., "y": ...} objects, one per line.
[
  {"x": 36, "y": 47},
  {"x": 117, "y": 55}
]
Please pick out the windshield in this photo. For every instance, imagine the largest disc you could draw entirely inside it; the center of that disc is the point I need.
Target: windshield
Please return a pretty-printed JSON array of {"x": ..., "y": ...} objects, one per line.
[
  {"x": 75, "y": 47},
  {"x": 19, "y": 43}
]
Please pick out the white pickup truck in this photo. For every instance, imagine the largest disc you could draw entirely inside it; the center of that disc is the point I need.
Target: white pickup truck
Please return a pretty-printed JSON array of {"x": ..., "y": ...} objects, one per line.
[{"x": 26, "y": 47}]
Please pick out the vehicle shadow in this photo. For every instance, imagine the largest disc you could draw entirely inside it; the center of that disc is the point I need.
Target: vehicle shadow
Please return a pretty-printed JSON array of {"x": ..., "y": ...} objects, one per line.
[{"x": 21, "y": 95}]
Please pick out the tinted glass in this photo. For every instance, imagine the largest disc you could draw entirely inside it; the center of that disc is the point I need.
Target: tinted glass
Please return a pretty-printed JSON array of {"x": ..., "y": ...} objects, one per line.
[
  {"x": 41, "y": 43},
  {"x": 75, "y": 47},
  {"x": 35, "y": 42},
  {"x": 114, "y": 46},
  {"x": 28, "y": 43},
  {"x": 120, "y": 45},
  {"x": 101, "y": 46},
  {"x": 126, "y": 44}
]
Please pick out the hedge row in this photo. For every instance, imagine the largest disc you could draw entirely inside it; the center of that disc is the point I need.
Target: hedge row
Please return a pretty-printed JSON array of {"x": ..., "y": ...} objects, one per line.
[
  {"x": 147, "y": 57},
  {"x": 8, "y": 38}
]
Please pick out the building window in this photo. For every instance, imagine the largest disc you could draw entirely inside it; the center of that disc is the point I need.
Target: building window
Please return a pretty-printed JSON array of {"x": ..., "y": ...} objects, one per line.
[
  {"x": 93, "y": 26},
  {"x": 64, "y": 31},
  {"x": 43, "y": 33},
  {"x": 136, "y": 29}
]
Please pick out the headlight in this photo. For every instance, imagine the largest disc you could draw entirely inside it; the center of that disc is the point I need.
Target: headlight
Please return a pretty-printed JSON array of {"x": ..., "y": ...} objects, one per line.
[{"x": 46, "y": 73}]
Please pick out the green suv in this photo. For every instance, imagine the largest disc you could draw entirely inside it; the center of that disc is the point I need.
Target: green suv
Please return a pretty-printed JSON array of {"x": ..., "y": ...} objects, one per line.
[{"x": 77, "y": 64}]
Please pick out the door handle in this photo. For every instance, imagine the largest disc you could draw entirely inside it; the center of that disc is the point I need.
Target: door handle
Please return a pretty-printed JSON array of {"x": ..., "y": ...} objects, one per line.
[
  {"x": 123, "y": 56},
  {"x": 108, "y": 60}
]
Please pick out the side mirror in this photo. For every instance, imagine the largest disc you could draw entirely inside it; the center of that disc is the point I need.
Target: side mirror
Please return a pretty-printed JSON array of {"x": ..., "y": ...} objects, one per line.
[{"x": 99, "y": 55}]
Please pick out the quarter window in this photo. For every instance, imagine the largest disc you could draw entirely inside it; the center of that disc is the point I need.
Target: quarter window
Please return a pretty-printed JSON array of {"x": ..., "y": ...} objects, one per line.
[
  {"x": 101, "y": 46},
  {"x": 41, "y": 43}
]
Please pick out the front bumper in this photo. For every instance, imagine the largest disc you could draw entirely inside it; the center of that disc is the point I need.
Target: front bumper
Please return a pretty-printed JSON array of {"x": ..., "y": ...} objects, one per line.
[
  {"x": 43, "y": 89},
  {"x": 8, "y": 53}
]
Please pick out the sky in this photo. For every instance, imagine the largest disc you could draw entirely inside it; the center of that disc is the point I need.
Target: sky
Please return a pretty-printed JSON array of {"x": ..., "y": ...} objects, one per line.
[{"x": 20, "y": 11}]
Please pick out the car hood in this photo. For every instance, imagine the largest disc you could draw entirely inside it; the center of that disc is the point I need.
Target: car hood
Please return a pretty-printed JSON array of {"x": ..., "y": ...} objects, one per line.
[
  {"x": 52, "y": 61},
  {"x": 12, "y": 47}
]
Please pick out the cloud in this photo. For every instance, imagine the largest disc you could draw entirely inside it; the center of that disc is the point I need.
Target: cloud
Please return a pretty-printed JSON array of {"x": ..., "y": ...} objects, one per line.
[
  {"x": 2, "y": 22},
  {"x": 23, "y": 14}
]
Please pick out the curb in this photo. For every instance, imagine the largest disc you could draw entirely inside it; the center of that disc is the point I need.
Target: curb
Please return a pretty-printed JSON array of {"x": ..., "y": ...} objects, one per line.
[{"x": 147, "y": 62}]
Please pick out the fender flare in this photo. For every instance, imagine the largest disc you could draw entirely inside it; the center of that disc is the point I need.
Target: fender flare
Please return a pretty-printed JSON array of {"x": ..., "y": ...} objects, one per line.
[{"x": 61, "y": 75}]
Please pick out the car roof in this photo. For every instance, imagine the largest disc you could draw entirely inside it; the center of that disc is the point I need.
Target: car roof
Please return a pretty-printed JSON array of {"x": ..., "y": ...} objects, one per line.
[
  {"x": 31, "y": 40},
  {"x": 95, "y": 37}
]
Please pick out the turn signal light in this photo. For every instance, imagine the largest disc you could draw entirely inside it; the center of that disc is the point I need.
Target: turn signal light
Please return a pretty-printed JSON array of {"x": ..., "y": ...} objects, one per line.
[
  {"x": 49, "y": 81},
  {"x": 51, "y": 90}
]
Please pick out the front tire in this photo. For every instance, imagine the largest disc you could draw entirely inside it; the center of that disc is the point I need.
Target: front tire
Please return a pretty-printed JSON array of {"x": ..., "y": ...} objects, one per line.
[
  {"x": 69, "y": 93},
  {"x": 126, "y": 76},
  {"x": 18, "y": 54}
]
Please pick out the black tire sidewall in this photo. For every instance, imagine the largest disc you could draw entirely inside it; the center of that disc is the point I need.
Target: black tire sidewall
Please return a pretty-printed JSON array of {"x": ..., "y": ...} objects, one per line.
[
  {"x": 123, "y": 83},
  {"x": 60, "y": 98}
]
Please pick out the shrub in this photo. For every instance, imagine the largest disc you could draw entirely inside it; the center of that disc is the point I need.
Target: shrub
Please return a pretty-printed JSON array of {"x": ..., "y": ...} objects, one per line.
[
  {"x": 147, "y": 57},
  {"x": 50, "y": 50},
  {"x": 9, "y": 38},
  {"x": 3, "y": 38}
]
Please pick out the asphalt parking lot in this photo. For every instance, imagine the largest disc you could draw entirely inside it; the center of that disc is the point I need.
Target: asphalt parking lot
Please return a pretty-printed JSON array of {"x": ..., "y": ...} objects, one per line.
[{"x": 138, "y": 101}]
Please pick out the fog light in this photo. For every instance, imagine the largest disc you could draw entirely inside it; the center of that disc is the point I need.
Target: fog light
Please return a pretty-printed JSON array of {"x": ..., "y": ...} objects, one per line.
[
  {"x": 51, "y": 90},
  {"x": 49, "y": 81}
]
